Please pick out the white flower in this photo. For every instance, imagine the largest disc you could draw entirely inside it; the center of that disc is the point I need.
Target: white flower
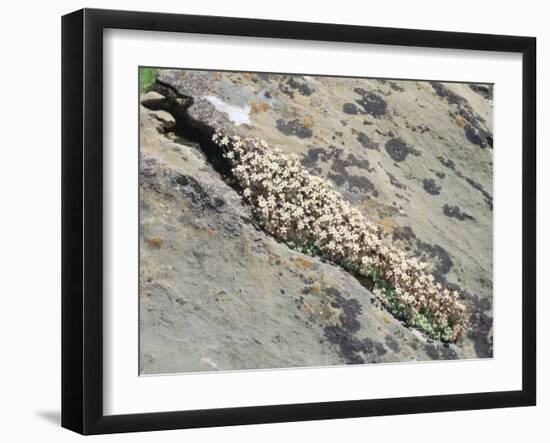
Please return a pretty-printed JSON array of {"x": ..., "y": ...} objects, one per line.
[{"x": 287, "y": 195}]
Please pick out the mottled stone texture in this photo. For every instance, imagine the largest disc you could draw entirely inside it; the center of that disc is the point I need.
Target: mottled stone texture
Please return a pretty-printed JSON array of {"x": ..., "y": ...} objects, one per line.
[{"x": 216, "y": 293}]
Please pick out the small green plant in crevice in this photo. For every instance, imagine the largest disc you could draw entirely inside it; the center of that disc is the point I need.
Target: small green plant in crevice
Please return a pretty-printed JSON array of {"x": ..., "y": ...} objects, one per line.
[
  {"x": 422, "y": 320},
  {"x": 147, "y": 76},
  {"x": 309, "y": 215}
]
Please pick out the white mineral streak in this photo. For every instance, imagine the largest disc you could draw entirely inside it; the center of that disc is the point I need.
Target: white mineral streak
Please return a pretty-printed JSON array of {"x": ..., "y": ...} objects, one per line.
[{"x": 238, "y": 115}]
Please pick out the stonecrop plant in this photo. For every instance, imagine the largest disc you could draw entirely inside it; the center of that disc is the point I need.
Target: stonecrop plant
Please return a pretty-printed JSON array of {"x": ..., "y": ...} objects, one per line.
[{"x": 308, "y": 213}]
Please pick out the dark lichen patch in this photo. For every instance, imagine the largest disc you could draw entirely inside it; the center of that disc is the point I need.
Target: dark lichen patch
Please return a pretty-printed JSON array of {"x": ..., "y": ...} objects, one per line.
[
  {"x": 449, "y": 353},
  {"x": 444, "y": 92},
  {"x": 470, "y": 116},
  {"x": 465, "y": 116},
  {"x": 477, "y": 136},
  {"x": 456, "y": 212},
  {"x": 436, "y": 254},
  {"x": 488, "y": 198},
  {"x": 294, "y": 127},
  {"x": 291, "y": 84},
  {"x": 380, "y": 90},
  {"x": 392, "y": 343},
  {"x": 486, "y": 91},
  {"x": 350, "y": 108},
  {"x": 431, "y": 351},
  {"x": 356, "y": 183},
  {"x": 350, "y": 348},
  {"x": 402, "y": 197},
  {"x": 299, "y": 84},
  {"x": 448, "y": 163},
  {"x": 385, "y": 134},
  {"x": 192, "y": 189},
  {"x": 148, "y": 169},
  {"x": 338, "y": 179},
  {"x": 362, "y": 164},
  {"x": 440, "y": 174},
  {"x": 351, "y": 309},
  {"x": 438, "y": 352},
  {"x": 264, "y": 76},
  {"x": 431, "y": 187},
  {"x": 366, "y": 141},
  {"x": 474, "y": 131},
  {"x": 361, "y": 183},
  {"x": 340, "y": 175},
  {"x": 422, "y": 129},
  {"x": 218, "y": 203},
  {"x": 481, "y": 326},
  {"x": 371, "y": 103},
  {"x": 312, "y": 157},
  {"x": 441, "y": 256},
  {"x": 375, "y": 346},
  {"x": 396, "y": 87},
  {"x": 395, "y": 182},
  {"x": 486, "y": 283},
  {"x": 398, "y": 150},
  {"x": 479, "y": 320}
]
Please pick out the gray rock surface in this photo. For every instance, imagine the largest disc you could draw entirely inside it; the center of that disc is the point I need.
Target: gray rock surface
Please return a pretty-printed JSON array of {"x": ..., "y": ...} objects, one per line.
[
  {"x": 152, "y": 99},
  {"x": 218, "y": 294}
]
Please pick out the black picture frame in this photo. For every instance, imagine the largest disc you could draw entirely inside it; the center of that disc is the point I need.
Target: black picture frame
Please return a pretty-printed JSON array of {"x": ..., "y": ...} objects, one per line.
[{"x": 82, "y": 219}]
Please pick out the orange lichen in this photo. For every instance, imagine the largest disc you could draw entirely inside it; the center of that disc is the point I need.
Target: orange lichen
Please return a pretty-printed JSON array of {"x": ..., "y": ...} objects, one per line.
[
  {"x": 303, "y": 263},
  {"x": 154, "y": 242},
  {"x": 460, "y": 121},
  {"x": 307, "y": 122},
  {"x": 387, "y": 225},
  {"x": 256, "y": 107}
]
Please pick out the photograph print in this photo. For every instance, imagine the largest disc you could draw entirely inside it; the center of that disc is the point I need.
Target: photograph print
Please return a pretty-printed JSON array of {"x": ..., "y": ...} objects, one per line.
[{"x": 294, "y": 221}]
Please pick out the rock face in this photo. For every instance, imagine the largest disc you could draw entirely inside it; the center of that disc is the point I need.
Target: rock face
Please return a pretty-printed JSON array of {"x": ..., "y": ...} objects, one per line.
[{"x": 216, "y": 293}]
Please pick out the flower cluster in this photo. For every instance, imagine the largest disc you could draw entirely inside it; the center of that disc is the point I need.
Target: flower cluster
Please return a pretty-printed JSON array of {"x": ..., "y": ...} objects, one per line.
[{"x": 296, "y": 206}]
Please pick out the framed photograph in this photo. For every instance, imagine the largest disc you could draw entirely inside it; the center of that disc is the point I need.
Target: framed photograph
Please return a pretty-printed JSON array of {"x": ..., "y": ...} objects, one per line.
[{"x": 269, "y": 221}]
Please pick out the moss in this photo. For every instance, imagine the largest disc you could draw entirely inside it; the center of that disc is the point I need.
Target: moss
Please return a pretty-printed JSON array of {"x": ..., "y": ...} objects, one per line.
[{"x": 147, "y": 76}]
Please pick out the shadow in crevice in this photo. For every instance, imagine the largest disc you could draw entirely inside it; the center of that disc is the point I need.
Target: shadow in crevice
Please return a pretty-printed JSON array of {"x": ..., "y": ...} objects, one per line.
[{"x": 189, "y": 127}]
